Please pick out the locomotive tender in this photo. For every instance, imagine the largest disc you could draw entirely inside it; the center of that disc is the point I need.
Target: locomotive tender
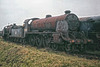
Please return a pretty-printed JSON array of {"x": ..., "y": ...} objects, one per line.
[{"x": 54, "y": 32}]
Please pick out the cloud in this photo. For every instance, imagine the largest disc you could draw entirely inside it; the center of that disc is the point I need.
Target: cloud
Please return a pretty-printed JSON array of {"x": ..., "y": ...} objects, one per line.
[{"x": 16, "y": 11}]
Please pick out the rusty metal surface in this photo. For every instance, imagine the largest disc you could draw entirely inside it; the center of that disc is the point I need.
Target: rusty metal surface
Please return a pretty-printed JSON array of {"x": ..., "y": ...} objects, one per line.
[
  {"x": 50, "y": 23},
  {"x": 56, "y": 38},
  {"x": 47, "y": 22}
]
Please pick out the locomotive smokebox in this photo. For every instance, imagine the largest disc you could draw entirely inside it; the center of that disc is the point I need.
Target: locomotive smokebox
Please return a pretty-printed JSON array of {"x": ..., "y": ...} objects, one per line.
[{"x": 67, "y": 11}]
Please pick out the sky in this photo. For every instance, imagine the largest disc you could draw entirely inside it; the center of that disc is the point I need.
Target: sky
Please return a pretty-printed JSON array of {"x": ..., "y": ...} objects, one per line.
[{"x": 16, "y": 11}]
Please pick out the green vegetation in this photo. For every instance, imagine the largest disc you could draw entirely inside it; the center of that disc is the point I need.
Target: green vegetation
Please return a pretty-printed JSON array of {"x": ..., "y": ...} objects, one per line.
[{"x": 17, "y": 55}]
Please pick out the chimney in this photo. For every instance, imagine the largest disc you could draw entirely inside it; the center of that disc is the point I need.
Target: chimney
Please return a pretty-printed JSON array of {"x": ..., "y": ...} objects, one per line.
[
  {"x": 48, "y": 16},
  {"x": 67, "y": 11}
]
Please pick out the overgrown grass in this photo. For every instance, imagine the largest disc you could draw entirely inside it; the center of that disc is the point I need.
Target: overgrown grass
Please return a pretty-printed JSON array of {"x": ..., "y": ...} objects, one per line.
[{"x": 17, "y": 55}]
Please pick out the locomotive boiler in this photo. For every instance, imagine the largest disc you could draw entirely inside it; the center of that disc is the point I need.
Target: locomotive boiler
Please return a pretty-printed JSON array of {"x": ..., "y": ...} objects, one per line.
[
  {"x": 54, "y": 32},
  {"x": 58, "y": 23}
]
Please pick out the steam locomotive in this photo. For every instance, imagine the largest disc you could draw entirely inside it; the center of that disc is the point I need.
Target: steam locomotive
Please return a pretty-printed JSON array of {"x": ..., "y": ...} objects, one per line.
[
  {"x": 55, "y": 32},
  {"x": 91, "y": 28}
]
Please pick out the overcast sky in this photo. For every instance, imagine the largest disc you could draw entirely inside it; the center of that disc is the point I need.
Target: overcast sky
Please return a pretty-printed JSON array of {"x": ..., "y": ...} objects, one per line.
[{"x": 16, "y": 11}]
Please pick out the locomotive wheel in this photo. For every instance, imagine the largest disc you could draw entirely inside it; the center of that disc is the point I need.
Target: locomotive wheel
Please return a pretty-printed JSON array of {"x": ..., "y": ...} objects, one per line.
[
  {"x": 45, "y": 42},
  {"x": 38, "y": 42},
  {"x": 54, "y": 46},
  {"x": 23, "y": 41},
  {"x": 48, "y": 44},
  {"x": 32, "y": 41},
  {"x": 41, "y": 41},
  {"x": 67, "y": 47},
  {"x": 72, "y": 47},
  {"x": 82, "y": 48},
  {"x": 12, "y": 39}
]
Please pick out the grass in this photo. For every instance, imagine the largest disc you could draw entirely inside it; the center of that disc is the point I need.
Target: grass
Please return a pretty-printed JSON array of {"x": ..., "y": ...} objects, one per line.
[{"x": 17, "y": 55}]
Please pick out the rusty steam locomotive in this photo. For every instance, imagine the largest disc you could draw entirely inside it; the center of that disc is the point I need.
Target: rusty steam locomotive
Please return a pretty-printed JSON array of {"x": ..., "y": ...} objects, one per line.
[
  {"x": 55, "y": 32},
  {"x": 91, "y": 28}
]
